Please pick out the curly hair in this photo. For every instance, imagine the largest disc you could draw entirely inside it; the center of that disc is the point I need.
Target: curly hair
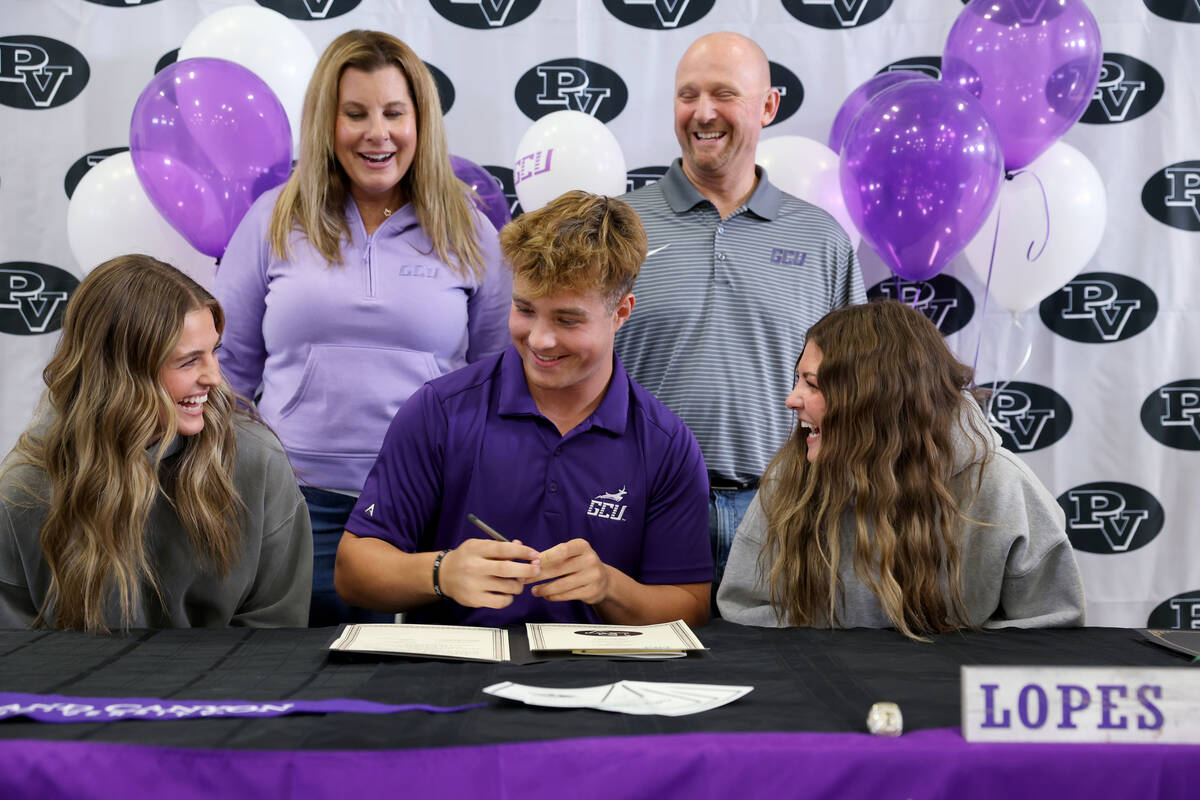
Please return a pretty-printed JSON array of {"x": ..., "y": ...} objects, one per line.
[{"x": 893, "y": 396}]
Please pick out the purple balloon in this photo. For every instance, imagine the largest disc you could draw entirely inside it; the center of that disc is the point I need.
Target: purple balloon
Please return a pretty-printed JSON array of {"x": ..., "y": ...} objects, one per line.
[
  {"x": 207, "y": 137},
  {"x": 859, "y": 97},
  {"x": 921, "y": 167},
  {"x": 1033, "y": 65},
  {"x": 492, "y": 201}
]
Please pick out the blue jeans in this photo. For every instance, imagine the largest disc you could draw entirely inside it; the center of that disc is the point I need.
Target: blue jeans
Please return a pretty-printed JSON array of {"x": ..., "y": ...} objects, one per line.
[
  {"x": 328, "y": 512},
  {"x": 726, "y": 507}
]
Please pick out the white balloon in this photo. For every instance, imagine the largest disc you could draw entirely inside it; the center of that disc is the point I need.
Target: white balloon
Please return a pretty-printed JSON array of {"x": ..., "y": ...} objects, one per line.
[
  {"x": 265, "y": 42},
  {"x": 567, "y": 150},
  {"x": 110, "y": 215},
  {"x": 1043, "y": 241},
  {"x": 809, "y": 170}
]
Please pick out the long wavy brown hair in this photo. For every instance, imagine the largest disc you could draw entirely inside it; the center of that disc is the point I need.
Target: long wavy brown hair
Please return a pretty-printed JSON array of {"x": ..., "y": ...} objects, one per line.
[
  {"x": 110, "y": 429},
  {"x": 313, "y": 200},
  {"x": 893, "y": 397}
]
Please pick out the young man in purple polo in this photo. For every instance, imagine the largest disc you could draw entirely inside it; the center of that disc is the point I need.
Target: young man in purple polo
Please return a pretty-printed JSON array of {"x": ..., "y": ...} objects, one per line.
[{"x": 600, "y": 487}]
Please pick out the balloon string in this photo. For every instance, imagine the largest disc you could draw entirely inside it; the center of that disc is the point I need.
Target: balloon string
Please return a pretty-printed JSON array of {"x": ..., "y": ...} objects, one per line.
[
  {"x": 987, "y": 286},
  {"x": 1029, "y": 255},
  {"x": 1013, "y": 322}
]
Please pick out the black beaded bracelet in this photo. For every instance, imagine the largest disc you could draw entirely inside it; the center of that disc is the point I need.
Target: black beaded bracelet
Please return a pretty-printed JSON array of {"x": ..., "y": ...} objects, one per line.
[{"x": 437, "y": 565}]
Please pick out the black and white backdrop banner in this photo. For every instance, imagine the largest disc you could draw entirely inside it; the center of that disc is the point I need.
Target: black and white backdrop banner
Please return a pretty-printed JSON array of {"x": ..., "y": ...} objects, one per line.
[{"x": 1099, "y": 381}]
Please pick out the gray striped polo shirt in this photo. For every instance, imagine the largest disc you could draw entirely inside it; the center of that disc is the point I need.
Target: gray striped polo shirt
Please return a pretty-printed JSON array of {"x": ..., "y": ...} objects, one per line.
[{"x": 723, "y": 307}]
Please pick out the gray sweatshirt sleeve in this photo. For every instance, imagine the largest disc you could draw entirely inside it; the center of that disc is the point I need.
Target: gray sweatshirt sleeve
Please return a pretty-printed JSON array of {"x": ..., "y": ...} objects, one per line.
[{"x": 742, "y": 596}]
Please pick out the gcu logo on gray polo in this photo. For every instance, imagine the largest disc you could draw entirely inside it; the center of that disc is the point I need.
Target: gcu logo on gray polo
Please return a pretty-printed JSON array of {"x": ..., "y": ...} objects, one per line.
[
  {"x": 310, "y": 9},
  {"x": 1181, "y": 612},
  {"x": 1171, "y": 414},
  {"x": 836, "y": 14},
  {"x": 943, "y": 299},
  {"x": 1111, "y": 517},
  {"x": 1099, "y": 307},
  {"x": 571, "y": 84},
  {"x": 32, "y": 297},
  {"x": 485, "y": 14},
  {"x": 929, "y": 65},
  {"x": 1027, "y": 416},
  {"x": 1128, "y": 88},
  {"x": 1172, "y": 195},
  {"x": 37, "y": 72},
  {"x": 659, "y": 14},
  {"x": 1175, "y": 10}
]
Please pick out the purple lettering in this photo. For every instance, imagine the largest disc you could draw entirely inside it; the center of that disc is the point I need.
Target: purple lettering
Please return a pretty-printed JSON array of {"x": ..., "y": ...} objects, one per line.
[
  {"x": 1107, "y": 706},
  {"x": 1156, "y": 720},
  {"x": 1069, "y": 708},
  {"x": 1023, "y": 706},
  {"x": 989, "y": 708}
]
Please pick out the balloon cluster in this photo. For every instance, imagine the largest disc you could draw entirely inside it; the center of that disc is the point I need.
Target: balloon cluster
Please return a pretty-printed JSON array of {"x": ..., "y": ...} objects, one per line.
[{"x": 923, "y": 162}]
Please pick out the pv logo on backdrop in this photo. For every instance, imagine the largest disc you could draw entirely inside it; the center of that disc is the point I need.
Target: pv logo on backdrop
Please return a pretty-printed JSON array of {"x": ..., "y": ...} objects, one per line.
[
  {"x": 37, "y": 72},
  {"x": 1110, "y": 517},
  {"x": 1027, "y": 416},
  {"x": 32, "y": 297},
  {"x": 485, "y": 14},
  {"x": 310, "y": 9},
  {"x": 504, "y": 176},
  {"x": 571, "y": 84},
  {"x": 1175, "y": 10},
  {"x": 659, "y": 15},
  {"x": 942, "y": 298},
  {"x": 1128, "y": 88},
  {"x": 1171, "y": 414},
  {"x": 1181, "y": 612},
  {"x": 444, "y": 87},
  {"x": 1100, "y": 307},
  {"x": 1172, "y": 195},
  {"x": 643, "y": 176},
  {"x": 80, "y": 168},
  {"x": 928, "y": 65},
  {"x": 837, "y": 14},
  {"x": 791, "y": 91}
]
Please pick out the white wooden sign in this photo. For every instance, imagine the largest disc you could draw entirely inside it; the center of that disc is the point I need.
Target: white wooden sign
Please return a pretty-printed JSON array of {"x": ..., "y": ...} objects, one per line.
[{"x": 1081, "y": 704}]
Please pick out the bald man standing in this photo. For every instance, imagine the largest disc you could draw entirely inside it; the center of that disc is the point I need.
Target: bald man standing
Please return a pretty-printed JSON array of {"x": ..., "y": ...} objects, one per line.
[{"x": 736, "y": 272}]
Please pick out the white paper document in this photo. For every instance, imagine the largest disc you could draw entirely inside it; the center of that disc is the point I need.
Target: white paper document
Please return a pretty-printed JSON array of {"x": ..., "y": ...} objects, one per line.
[
  {"x": 626, "y": 697},
  {"x": 665, "y": 639},
  {"x": 441, "y": 641}
]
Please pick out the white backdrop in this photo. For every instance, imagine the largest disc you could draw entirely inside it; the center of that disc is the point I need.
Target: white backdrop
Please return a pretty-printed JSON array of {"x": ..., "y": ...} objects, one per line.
[{"x": 1107, "y": 409}]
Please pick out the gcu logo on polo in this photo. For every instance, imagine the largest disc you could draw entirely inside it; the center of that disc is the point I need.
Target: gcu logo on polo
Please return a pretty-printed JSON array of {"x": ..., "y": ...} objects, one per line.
[
  {"x": 943, "y": 299},
  {"x": 659, "y": 14},
  {"x": 37, "y": 72},
  {"x": 1111, "y": 517},
  {"x": 32, "y": 297},
  {"x": 571, "y": 84},
  {"x": 1181, "y": 612},
  {"x": 1128, "y": 88},
  {"x": 1172, "y": 195},
  {"x": 929, "y": 65},
  {"x": 484, "y": 14},
  {"x": 310, "y": 9},
  {"x": 608, "y": 506},
  {"x": 1027, "y": 416},
  {"x": 1171, "y": 414},
  {"x": 835, "y": 14},
  {"x": 1098, "y": 307}
]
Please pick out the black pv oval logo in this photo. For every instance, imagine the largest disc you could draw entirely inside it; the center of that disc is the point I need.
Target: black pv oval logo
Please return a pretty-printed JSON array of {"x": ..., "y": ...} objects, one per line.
[
  {"x": 1175, "y": 10},
  {"x": 1172, "y": 195},
  {"x": 943, "y": 298},
  {"x": 168, "y": 58},
  {"x": 485, "y": 14},
  {"x": 643, "y": 176},
  {"x": 1100, "y": 307},
  {"x": 504, "y": 175},
  {"x": 1108, "y": 517},
  {"x": 791, "y": 91},
  {"x": 1128, "y": 88},
  {"x": 928, "y": 65},
  {"x": 1171, "y": 414},
  {"x": 445, "y": 88},
  {"x": 837, "y": 14},
  {"x": 80, "y": 168},
  {"x": 1027, "y": 416},
  {"x": 32, "y": 297},
  {"x": 38, "y": 72},
  {"x": 661, "y": 15},
  {"x": 1181, "y": 612},
  {"x": 310, "y": 9},
  {"x": 571, "y": 84}
]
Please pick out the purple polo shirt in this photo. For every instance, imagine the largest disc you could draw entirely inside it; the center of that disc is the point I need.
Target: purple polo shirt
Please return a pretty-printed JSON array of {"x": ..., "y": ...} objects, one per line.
[{"x": 630, "y": 479}]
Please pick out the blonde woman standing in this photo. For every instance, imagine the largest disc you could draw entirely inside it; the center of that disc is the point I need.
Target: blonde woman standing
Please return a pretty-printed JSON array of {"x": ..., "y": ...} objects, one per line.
[
  {"x": 368, "y": 273},
  {"x": 139, "y": 497}
]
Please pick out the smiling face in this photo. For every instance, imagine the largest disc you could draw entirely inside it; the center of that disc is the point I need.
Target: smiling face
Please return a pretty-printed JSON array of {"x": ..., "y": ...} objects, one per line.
[
  {"x": 723, "y": 98},
  {"x": 566, "y": 340},
  {"x": 806, "y": 398},
  {"x": 192, "y": 369},
  {"x": 375, "y": 137}
]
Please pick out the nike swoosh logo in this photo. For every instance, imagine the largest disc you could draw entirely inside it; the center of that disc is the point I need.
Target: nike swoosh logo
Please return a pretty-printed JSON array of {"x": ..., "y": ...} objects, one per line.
[{"x": 656, "y": 250}]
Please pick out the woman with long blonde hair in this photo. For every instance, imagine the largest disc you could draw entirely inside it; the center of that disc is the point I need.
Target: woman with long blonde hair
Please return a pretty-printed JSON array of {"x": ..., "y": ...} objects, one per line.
[
  {"x": 139, "y": 496},
  {"x": 893, "y": 503},
  {"x": 368, "y": 273}
]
